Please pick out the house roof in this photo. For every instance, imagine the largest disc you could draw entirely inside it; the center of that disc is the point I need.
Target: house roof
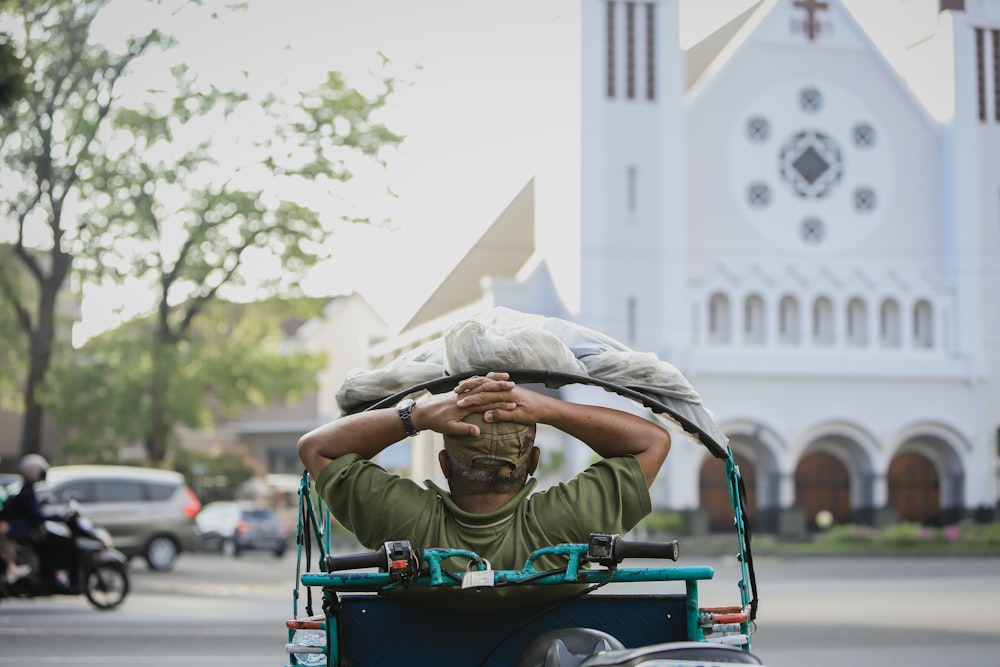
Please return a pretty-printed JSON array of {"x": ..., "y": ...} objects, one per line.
[{"x": 502, "y": 250}]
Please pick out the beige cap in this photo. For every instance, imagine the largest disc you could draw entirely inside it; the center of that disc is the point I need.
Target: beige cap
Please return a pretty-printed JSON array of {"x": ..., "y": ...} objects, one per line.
[{"x": 500, "y": 446}]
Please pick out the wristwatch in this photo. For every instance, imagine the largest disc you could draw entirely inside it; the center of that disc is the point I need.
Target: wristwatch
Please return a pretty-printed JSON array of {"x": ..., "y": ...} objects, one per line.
[{"x": 403, "y": 409}]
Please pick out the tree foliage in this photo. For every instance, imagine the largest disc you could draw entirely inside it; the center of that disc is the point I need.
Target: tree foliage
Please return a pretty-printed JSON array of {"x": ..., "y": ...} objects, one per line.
[
  {"x": 11, "y": 73},
  {"x": 192, "y": 190},
  {"x": 235, "y": 356}
]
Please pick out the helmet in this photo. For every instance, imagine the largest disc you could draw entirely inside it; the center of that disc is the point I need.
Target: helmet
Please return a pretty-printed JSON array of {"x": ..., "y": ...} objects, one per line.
[{"x": 34, "y": 467}]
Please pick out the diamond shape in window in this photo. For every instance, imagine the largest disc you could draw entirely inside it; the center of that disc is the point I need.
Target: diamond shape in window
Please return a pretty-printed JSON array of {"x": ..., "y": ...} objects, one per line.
[{"x": 811, "y": 165}]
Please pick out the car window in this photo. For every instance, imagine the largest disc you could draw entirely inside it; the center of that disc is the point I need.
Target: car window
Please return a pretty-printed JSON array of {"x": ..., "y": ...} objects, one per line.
[
  {"x": 160, "y": 490},
  {"x": 83, "y": 491},
  {"x": 256, "y": 514},
  {"x": 118, "y": 491}
]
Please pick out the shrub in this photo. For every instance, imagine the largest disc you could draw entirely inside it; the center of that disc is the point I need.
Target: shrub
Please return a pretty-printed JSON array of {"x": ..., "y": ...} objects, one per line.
[
  {"x": 847, "y": 534},
  {"x": 987, "y": 534},
  {"x": 670, "y": 523},
  {"x": 903, "y": 534}
]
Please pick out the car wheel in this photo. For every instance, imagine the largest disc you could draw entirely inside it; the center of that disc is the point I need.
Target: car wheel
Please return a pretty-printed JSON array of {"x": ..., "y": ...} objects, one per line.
[
  {"x": 229, "y": 548},
  {"x": 278, "y": 553},
  {"x": 161, "y": 553}
]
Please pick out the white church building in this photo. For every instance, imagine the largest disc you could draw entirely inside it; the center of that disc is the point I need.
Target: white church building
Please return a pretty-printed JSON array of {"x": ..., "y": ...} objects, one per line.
[{"x": 811, "y": 234}]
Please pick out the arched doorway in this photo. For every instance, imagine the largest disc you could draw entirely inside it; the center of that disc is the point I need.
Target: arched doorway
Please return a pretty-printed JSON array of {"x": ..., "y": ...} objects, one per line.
[
  {"x": 915, "y": 489},
  {"x": 714, "y": 491},
  {"x": 822, "y": 483}
]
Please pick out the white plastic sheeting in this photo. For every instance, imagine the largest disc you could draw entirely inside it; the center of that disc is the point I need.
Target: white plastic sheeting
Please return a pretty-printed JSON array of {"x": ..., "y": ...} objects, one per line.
[{"x": 505, "y": 339}]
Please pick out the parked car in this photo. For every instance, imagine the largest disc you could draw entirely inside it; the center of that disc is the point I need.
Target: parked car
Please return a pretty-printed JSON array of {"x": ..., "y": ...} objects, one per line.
[
  {"x": 149, "y": 512},
  {"x": 232, "y": 527}
]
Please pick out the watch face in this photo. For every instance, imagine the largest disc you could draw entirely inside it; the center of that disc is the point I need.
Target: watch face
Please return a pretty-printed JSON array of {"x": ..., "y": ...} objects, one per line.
[{"x": 810, "y": 165}]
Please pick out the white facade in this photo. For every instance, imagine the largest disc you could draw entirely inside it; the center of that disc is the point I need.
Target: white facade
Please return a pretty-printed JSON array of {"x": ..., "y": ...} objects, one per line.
[{"x": 785, "y": 219}]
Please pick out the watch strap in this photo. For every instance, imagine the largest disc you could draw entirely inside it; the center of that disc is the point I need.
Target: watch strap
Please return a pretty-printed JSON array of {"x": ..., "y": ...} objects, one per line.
[{"x": 403, "y": 409}]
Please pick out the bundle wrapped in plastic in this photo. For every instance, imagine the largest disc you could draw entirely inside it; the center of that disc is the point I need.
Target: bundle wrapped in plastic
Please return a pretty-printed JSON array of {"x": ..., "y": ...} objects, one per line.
[
  {"x": 505, "y": 339},
  {"x": 485, "y": 346},
  {"x": 420, "y": 365}
]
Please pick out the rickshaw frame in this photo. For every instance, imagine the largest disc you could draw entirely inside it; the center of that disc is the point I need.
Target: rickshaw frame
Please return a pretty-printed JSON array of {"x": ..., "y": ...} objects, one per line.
[{"x": 349, "y": 605}]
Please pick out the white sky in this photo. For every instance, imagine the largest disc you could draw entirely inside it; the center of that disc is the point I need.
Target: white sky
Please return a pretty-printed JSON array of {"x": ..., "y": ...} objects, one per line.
[{"x": 473, "y": 76}]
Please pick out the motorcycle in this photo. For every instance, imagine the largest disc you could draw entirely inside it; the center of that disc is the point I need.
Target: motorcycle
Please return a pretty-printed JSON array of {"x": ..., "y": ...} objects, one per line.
[{"x": 73, "y": 557}]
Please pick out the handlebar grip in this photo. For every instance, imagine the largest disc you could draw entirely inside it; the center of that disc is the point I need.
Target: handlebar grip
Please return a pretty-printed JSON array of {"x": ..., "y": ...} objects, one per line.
[
  {"x": 668, "y": 550},
  {"x": 355, "y": 561}
]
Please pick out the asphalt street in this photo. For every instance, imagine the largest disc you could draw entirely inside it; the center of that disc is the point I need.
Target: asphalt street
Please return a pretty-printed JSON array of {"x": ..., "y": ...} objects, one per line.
[{"x": 856, "y": 612}]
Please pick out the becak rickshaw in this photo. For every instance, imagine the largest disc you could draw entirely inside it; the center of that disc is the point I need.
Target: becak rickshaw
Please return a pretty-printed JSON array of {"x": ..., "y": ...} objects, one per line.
[{"x": 372, "y": 611}]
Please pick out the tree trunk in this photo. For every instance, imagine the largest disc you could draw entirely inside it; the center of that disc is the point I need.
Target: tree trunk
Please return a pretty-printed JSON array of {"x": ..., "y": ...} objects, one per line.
[
  {"x": 41, "y": 341},
  {"x": 154, "y": 439}
]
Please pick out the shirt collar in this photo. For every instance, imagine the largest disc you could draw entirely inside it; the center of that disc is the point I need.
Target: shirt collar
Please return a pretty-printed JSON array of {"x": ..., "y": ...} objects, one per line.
[{"x": 498, "y": 516}]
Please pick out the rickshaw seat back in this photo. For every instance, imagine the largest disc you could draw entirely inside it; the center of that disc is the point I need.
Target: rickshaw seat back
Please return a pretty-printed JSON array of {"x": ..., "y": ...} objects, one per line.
[{"x": 377, "y": 630}]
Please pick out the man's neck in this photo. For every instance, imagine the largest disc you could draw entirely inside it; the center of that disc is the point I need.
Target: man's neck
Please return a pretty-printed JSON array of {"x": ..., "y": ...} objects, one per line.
[{"x": 481, "y": 503}]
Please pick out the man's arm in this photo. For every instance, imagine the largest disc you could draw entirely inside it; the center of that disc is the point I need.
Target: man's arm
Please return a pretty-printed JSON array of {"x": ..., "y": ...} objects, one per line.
[
  {"x": 368, "y": 433},
  {"x": 607, "y": 431}
]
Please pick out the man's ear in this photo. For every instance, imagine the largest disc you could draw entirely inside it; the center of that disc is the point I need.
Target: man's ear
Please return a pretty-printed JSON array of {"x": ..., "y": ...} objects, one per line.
[
  {"x": 533, "y": 459},
  {"x": 445, "y": 464}
]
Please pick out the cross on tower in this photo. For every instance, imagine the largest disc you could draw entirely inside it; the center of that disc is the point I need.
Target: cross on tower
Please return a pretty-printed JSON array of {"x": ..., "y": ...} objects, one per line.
[{"x": 811, "y": 25}]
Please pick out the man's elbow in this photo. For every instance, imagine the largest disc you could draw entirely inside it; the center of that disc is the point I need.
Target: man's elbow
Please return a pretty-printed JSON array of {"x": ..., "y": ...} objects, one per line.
[
  {"x": 308, "y": 451},
  {"x": 659, "y": 448},
  {"x": 304, "y": 445}
]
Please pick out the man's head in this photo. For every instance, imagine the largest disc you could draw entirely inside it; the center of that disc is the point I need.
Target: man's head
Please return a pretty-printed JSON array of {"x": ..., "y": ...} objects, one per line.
[
  {"x": 499, "y": 459},
  {"x": 34, "y": 467}
]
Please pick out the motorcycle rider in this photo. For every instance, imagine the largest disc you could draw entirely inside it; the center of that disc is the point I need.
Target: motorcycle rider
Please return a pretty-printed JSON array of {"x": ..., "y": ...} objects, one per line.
[{"x": 22, "y": 516}]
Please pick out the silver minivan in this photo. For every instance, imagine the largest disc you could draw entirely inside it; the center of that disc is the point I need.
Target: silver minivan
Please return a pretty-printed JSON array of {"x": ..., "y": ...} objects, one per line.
[{"x": 149, "y": 512}]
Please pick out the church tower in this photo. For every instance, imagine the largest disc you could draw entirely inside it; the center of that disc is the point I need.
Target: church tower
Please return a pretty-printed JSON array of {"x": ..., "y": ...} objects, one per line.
[
  {"x": 969, "y": 35},
  {"x": 632, "y": 175}
]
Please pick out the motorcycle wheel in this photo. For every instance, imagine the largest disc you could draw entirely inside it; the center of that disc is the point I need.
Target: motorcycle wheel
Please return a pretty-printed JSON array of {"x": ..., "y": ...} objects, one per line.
[{"x": 106, "y": 585}]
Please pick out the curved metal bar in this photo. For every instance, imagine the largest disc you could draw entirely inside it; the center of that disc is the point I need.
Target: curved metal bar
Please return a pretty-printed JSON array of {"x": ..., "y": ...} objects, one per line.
[
  {"x": 368, "y": 581},
  {"x": 555, "y": 380}
]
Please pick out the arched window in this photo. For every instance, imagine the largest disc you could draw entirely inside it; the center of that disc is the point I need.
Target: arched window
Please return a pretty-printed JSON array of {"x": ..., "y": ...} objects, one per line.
[
  {"x": 923, "y": 324},
  {"x": 823, "y": 321},
  {"x": 857, "y": 323},
  {"x": 788, "y": 320},
  {"x": 753, "y": 320},
  {"x": 718, "y": 318},
  {"x": 890, "y": 330}
]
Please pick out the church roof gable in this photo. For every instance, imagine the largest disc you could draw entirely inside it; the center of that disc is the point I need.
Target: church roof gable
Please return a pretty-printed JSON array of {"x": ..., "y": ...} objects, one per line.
[
  {"x": 502, "y": 250},
  {"x": 796, "y": 24}
]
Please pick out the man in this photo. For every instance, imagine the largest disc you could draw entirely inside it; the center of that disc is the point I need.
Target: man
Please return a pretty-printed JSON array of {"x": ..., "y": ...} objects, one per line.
[
  {"x": 22, "y": 516},
  {"x": 488, "y": 425}
]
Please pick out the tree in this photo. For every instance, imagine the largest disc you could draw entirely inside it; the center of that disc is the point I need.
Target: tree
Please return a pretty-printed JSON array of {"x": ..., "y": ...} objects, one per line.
[
  {"x": 233, "y": 357},
  {"x": 190, "y": 191},
  {"x": 48, "y": 137}
]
